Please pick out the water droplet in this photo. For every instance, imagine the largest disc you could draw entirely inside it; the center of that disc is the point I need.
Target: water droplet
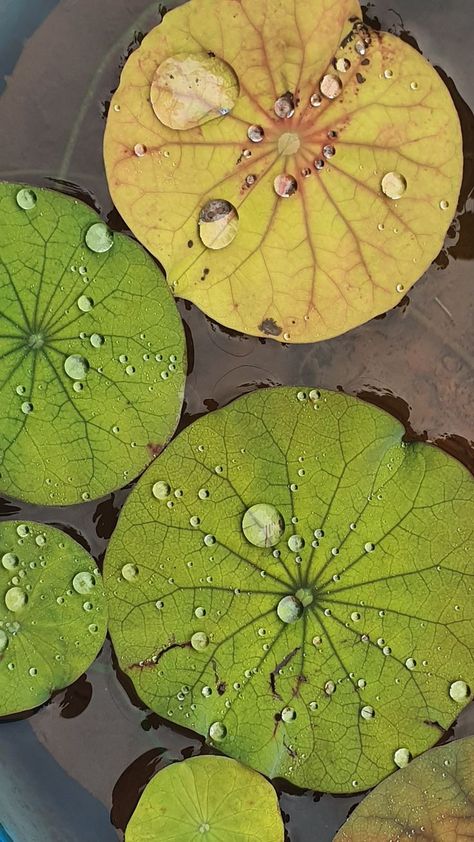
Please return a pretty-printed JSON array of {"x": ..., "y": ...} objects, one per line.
[
  {"x": 218, "y": 223},
  {"x": 355, "y": 616},
  {"x": 27, "y": 407},
  {"x": 459, "y": 691},
  {"x": 394, "y": 185},
  {"x": 388, "y": 74},
  {"x": 330, "y": 86},
  {"x": 96, "y": 340},
  {"x": 15, "y": 599},
  {"x": 203, "y": 493},
  {"x": 99, "y": 238},
  {"x": 255, "y": 133},
  {"x": 161, "y": 490},
  {"x": 329, "y": 688},
  {"x": 285, "y": 185},
  {"x": 400, "y": 287},
  {"x": 76, "y": 367},
  {"x": 401, "y": 757},
  {"x": 200, "y": 612},
  {"x": 206, "y": 692},
  {"x": 444, "y": 204},
  {"x": 410, "y": 663},
  {"x": 209, "y": 540},
  {"x": 313, "y": 706},
  {"x": 343, "y": 65},
  {"x": 414, "y": 86},
  {"x": 194, "y": 521},
  {"x": 189, "y": 89},
  {"x": 10, "y": 561},
  {"x": 26, "y": 199},
  {"x": 130, "y": 572},
  {"x": 295, "y": 543},
  {"x": 32, "y": 671},
  {"x": 329, "y": 151},
  {"x": 217, "y": 732},
  {"x": 361, "y": 683},
  {"x": 93, "y": 628},
  {"x": 367, "y": 712},
  {"x": 285, "y": 105},
  {"x": 139, "y": 150},
  {"x": 250, "y": 179},
  {"x": 289, "y": 609},
  {"x": 199, "y": 641},
  {"x": 317, "y": 641},
  {"x": 263, "y": 525},
  {"x": 288, "y": 714},
  {"x": 83, "y": 582},
  {"x": 306, "y": 172},
  {"x": 369, "y": 547},
  {"x": 84, "y": 303}
]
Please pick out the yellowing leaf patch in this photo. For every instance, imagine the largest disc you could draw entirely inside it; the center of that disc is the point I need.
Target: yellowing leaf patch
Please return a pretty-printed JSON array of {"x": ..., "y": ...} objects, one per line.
[{"x": 341, "y": 157}]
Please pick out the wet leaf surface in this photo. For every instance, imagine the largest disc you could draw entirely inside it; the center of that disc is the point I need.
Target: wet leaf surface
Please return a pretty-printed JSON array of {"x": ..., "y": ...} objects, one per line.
[
  {"x": 292, "y": 581},
  {"x": 430, "y": 801},
  {"x": 92, "y": 351},
  {"x": 207, "y": 797},
  {"x": 341, "y": 160},
  {"x": 53, "y": 616}
]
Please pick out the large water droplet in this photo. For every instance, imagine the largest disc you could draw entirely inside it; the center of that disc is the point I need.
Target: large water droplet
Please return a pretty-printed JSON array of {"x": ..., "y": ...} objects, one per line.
[
  {"x": 199, "y": 641},
  {"x": 161, "y": 490},
  {"x": 288, "y": 714},
  {"x": 330, "y": 86},
  {"x": 84, "y": 303},
  {"x": 401, "y": 757},
  {"x": 410, "y": 663},
  {"x": 459, "y": 691},
  {"x": 83, "y": 582},
  {"x": 99, "y": 238},
  {"x": 218, "y": 223},
  {"x": 394, "y": 185},
  {"x": 295, "y": 543},
  {"x": 285, "y": 185},
  {"x": 263, "y": 525},
  {"x": 130, "y": 572},
  {"x": 26, "y": 199},
  {"x": 96, "y": 340},
  {"x": 217, "y": 732},
  {"x": 15, "y": 599},
  {"x": 76, "y": 367},
  {"x": 285, "y": 105},
  {"x": 10, "y": 561},
  {"x": 289, "y": 609},
  {"x": 189, "y": 89}
]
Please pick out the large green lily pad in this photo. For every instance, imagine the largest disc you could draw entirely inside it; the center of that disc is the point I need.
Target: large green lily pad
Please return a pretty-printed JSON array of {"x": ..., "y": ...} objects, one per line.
[
  {"x": 53, "y": 613},
  {"x": 294, "y": 582},
  {"x": 335, "y": 158},
  {"x": 430, "y": 801},
  {"x": 92, "y": 351},
  {"x": 212, "y": 798}
]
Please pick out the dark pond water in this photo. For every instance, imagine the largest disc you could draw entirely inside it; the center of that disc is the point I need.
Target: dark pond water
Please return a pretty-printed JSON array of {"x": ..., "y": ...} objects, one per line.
[{"x": 73, "y": 771}]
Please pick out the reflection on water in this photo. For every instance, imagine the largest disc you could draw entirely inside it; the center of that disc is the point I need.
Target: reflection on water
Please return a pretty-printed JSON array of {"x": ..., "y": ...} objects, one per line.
[{"x": 75, "y": 769}]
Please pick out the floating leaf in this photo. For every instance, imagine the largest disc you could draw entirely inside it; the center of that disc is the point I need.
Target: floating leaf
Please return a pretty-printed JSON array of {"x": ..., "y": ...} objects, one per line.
[
  {"x": 212, "y": 796},
  {"x": 321, "y": 653},
  {"x": 53, "y": 616},
  {"x": 431, "y": 800},
  {"x": 92, "y": 351},
  {"x": 341, "y": 158}
]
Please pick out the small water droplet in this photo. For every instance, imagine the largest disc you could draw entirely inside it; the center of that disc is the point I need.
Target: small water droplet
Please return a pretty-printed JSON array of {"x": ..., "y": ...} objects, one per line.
[
  {"x": 26, "y": 199},
  {"x": 343, "y": 65},
  {"x": 130, "y": 572},
  {"x": 317, "y": 641},
  {"x": 161, "y": 490},
  {"x": 200, "y": 612},
  {"x": 388, "y": 74},
  {"x": 329, "y": 688},
  {"x": 295, "y": 543},
  {"x": 410, "y": 663},
  {"x": 367, "y": 712},
  {"x": 369, "y": 547},
  {"x": 10, "y": 561},
  {"x": 414, "y": 86},
  {"x": 400, "y": 287},
  {"x": 360, "y": 48},
  {"x": 76, "y": 367},
  {"x": 83, "y": 582},
  {"x": 27, "y": 407},
  {"x": 139, "y": 150},
  {"x": 15, "y": 599},
  {"x": 84, "y": 303},
  {"x": 315, "y": 100},
  {"x": 206, "y": 692},
  {"x": 32, "y": 671},
  {"x": 203, "y": 493},
  {"x": 209, "y": 540},
  {"x": 329, "y": 151},
  {"x": 99, "y": 238},
  {"x": 96, "y": 340},
  {"x": 285, "y": 105},
  {"x": 459, "y": 691},
  {"x": 289, "y": 609},
  {"x": 199, "y": 641},
  {"x": 217, "y": 732},
  {"x": 444, "y": 204},
  {"x": 330, "y": 86},
  {"x": 319, "y": 164},
  {"x": 288, "y": 714},
  {"x": 218, "y": 223},
  {"x": 401, "y": 757},
  {"x": 255, "y": 133},
  {"x": 394, "y": 185},
  {"x": 285, "y": 185}
]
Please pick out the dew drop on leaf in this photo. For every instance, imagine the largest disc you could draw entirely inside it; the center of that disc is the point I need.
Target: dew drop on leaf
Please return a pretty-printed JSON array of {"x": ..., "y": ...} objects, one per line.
[
  {"x": 139, "y": 150},
  {"x": 289, "y": 609},
  {"x": 218, "y": 223},
  {"x": 295, "y": 543},
  {"x": 459, "y": 691},
  {"x": 330, "y": 86},
  {"x": 96, "y": 340},
  {"x": 329, "y": 688},
  {"x": 10, "y": 561},
  {"x": 288, "y": 714},
  {"x": 189, "y": 89},
  {"x": 410, "y": 663},
  {"x": 161, "y": 490},
  {"x": 401, "y": 757},
  {"x": 199, "y": 641},
  {"x": 367, "y": 712},
  {"x": 99, "y": 238},
  {"x": 285, "y": 185},
  {"x": 343, "y": 65},
  {"x": 263, "y": 525},
  {"x": 285, "y": 105},
  {"x": 26, "y": 407},
  {"x": 206, "y": 692},
  {"x": 394, "y": 185},
  {"x": 26, "y": 199},
  {"x": 83, "y": 582},
  {"x": 200, "y": 612},
  {"x": 15, "y": 599},
  {"x": 84, "y": 303},
  {"x": 76, "y": 367},
  {"x": 130, "y": 572},
  {"x": 255, "y": 133},
  {"x": 315, "y": 100},
  {"x": 217, "y": 732}
]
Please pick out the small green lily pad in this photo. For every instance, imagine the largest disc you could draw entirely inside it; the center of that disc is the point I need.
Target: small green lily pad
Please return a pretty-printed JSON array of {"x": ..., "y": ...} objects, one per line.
[
  {"x": 324, "y": 653},
  {"x": 92, "y": 351},
  {"x": 53, "y": 614},
  {"x": 211, "y": 798},
  {"x": 430, "y": 800}
]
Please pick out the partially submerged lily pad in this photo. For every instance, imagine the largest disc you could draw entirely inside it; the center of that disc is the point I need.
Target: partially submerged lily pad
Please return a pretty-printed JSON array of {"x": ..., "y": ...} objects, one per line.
[
  {"x": 53, "y": 613},
  {"x": 210, "y": 798},
  {"x": 92, "y": 351},
  {"x": 431, "y": 800},
  {"x": 302, "y": 588},
  {"x": 339, "y": 150}
]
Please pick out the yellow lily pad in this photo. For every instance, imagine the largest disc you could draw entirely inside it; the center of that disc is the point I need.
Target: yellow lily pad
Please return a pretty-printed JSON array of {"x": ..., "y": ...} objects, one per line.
[{"x": 337, "y": 148}]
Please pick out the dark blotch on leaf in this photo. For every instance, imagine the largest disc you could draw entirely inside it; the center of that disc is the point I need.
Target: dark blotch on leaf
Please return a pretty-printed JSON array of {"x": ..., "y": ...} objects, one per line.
[{"x": 270, "y": 327}]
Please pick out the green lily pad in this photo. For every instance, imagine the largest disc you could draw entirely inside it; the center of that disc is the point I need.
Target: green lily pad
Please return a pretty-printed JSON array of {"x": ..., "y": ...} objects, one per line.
[
  {"x": 321, "y": 654},
  {"x": 212, "y": 798},
  {"x": 301, "y": 169},
  {"x": 53, "y": 613},
  {"x": 431, "y": 800},
  {"x": 92, "y": 351}
]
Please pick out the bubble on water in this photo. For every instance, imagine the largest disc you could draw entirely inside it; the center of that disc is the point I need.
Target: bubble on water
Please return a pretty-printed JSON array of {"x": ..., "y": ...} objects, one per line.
[
  {"x": 84, "y": 303},
  {"x": 26, "y": 199},
  {"x": 288, "y": 714},
  {"x": 394, "y": 185},
  {"x": 285, "y": 185},
  {"x": 459, "y": 691},
  {"x": 96, "y": 340},
  {"x": 189, "y": 89},
  {"x": 15, "y": 599},
  {"x": 255, "y": 133},
  {"x": 402, "y": 757},
  {"x": 343, "y": 65},
  {"x": 139, "y": 150},
  {"x": 76, "y": 367},
  {"x": 218, "y": 223},
  {"x": 199, "y": 641},
  {"x": 285, "y": 105},
  {"x": 200, "y": 612},
  {"x": 410, "y": 663},
  {"x": 295, "y": 543},
  {"x": 367, "y": 712},
  {"x": 27, "y": 407},
  {"x": 263, "y": 525},
  {"x": 161, "y": 490},
  {"x": 99, "y": 238},
  {"x": 330, "y": 86},
  {"x": 84, "y": 582},
  {"x": 217, "y": 732},
  {"x": 289, "y": 609},
  {"x": 130, "y": 572},
  {"x": 329, "y": 688},
  {"x": 10, "y": 561}
]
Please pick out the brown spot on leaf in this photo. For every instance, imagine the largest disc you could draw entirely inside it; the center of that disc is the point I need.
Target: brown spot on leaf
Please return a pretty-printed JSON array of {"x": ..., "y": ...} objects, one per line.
[
  {"x": 270, "y": 327},
  {"x": 154, "y": 449}
]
